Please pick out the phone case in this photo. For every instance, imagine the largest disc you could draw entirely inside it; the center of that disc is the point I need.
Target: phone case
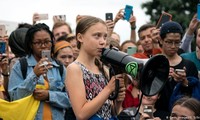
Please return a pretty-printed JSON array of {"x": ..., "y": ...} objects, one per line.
[
  {"x": 165, "y": 17},
  {"x": 43, "y": 17},
  {"x": 148, "y": 110},
  {"x": 198, "y": 11},
  {"x": 46, "y": 53},
  {"x": 109, "y": 16},
  {"x": 131, "y": 50},
  {"x": 128, "y": 12},
  {"x": 2, "y": 47},
  {"x": 179, "y": 70}
]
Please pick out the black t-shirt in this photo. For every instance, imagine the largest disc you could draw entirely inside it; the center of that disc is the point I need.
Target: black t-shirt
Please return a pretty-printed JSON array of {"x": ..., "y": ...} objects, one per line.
[
  {"x": 191, "y": 70},
  {"x": 161, "y": 114}
]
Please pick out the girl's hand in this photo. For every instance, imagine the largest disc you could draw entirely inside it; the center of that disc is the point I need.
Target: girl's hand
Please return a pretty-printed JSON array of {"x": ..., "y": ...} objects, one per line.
[
  {"x": 40, "y": 94},
  {"x": 120, "y": 15},
  {"x": 111, "y": 84},
  {"x": 42, "y": 67},
  {"x": 122, "y": 90}
]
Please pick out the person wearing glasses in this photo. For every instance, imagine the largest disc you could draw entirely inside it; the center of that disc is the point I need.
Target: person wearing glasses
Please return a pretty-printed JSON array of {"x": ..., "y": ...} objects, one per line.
[
  {"x": 182, "y": 72},
  {"x": 41, "y": 71}
]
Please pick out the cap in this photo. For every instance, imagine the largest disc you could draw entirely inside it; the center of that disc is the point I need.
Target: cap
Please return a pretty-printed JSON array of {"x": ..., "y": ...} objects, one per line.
[{"x": 170, "y": 27}]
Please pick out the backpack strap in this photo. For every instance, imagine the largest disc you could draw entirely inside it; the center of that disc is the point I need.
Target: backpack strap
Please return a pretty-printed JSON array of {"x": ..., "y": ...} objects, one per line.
[
  {"x": 24, "y": 65},
  {"x": 61, "y": 69}
]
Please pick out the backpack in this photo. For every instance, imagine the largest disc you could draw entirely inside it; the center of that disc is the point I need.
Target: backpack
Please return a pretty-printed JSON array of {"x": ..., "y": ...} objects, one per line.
[{"x": 24, "y": 65}]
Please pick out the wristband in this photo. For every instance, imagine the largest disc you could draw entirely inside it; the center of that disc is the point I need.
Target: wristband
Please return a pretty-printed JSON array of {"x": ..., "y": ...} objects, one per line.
[
  {"x": 5, "y": 75},
  {"x": 133, "y": 27}
]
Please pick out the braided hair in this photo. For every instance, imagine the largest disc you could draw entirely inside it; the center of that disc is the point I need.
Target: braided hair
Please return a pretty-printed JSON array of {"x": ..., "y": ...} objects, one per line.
[{"x": 30, "y": 36}]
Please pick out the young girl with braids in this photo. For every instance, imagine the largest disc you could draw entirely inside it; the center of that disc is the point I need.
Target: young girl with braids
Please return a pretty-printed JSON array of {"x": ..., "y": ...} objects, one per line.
[
  {"x": 86, "y": 81},
  {"x": 52, "y": 95}
]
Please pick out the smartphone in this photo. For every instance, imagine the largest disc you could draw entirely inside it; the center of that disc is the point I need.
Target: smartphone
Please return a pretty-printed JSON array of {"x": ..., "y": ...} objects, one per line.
[
  {"x": 148, "y": 109},
  {"x": 2, "y": 30},
  {"x": 46, "y": 53},
  {"x": 127, "y": 12},
  {"x": 131, "y": 50},
  {"x": 2, "y": 47},
  {"x": 43, "y": 16},
  {"x": 61, "y": 17},
  {"x": 164, "y": 17},
  {"x": 109, "y": 16},
  {"x": 198, "y": 11},
  {"x": 2, "y": 56},
  {"x": 179, "y": 70}
]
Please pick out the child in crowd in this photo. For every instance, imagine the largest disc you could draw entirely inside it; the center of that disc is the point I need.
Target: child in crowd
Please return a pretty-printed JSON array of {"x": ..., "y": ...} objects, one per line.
[{"x": 86, "y": 80}]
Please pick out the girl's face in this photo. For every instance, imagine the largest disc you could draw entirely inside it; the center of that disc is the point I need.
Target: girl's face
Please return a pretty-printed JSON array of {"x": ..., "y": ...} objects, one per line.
[
  {"x": 94, "y": 39},
  {"x": 74, "y": 47},
  {"x": 182, "y": 113},
  {"x": 41, "y": 41},
  {"x": 65, "y": 56}
]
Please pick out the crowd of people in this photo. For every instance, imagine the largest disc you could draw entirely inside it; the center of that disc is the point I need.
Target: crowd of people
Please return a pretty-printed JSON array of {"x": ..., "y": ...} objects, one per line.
[{"x": 73, "y": 83}]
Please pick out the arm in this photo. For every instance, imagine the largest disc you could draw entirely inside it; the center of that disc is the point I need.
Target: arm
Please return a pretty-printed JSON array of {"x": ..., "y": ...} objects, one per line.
[
  {"x": 118, "y": 102},
  {"x": 60, "y": 98},
  {"x": 110, "y": 24},
  {"x": 189, "y": 35},
  {"x": 35, "y": 18},
  {"x": 83, "y": 108},
  {"x": 155, "y": 35},
  {"x": 132, "y": 22}
]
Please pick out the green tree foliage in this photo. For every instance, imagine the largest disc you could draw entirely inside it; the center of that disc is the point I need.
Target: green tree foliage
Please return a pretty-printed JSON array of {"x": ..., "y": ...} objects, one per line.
[{"x": 182, "y": 11}]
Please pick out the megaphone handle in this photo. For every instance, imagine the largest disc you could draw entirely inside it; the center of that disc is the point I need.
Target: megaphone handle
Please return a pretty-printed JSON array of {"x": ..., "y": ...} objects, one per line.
[{"x": 114, "y": 95}]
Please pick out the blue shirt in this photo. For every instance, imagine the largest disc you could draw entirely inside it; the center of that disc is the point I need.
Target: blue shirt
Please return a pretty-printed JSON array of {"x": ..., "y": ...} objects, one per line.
[
  {"x": 19, "y": 88},
  {"x": 192, "y": 57}
]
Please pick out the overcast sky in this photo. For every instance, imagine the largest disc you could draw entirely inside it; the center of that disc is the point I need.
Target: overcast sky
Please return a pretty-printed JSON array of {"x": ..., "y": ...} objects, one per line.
[{"x": 22, "y": 11}]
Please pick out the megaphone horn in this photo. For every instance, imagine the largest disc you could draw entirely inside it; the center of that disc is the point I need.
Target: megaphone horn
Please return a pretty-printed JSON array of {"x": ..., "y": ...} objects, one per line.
[{"x": 153, "y": 72}]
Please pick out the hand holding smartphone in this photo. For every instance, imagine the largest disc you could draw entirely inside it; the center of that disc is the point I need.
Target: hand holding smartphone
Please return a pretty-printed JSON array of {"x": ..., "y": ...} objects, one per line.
[
  {"x": 164, "y": 17},
  {"x": 148, "y": 109},
  {"x": 60, "y": 17},
  {"x": 127, "y": 12}
]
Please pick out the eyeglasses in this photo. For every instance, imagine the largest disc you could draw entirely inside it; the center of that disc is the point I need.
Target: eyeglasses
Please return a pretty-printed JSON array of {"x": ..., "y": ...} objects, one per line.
[
  {"x": 175, "y": 43},
  {"x": 46, "y": 43}
]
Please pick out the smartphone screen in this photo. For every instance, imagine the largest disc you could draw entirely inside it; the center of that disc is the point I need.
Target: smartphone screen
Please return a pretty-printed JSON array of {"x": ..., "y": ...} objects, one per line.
[
  {"x": 165, "y": 17},
  {"x": 109, "y": 16},
  {"x": 131, "y": 50},
  {"x": 43, "y": 17},
  {"x": 46, "y": 53},
  {"x": 2, "y": 47},
  {"x": 2, "y": 30},
  {"x": 127, "y": 12}
]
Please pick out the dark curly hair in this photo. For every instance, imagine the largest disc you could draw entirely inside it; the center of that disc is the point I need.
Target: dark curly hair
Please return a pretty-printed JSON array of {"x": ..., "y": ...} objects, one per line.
[{"x": 30, "y": 35}]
